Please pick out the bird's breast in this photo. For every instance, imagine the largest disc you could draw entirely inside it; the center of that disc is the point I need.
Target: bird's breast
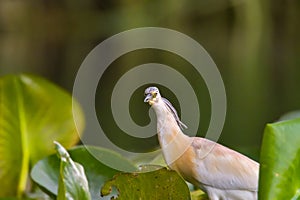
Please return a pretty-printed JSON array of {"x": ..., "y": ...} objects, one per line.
[{"x": 185, "y": 166}]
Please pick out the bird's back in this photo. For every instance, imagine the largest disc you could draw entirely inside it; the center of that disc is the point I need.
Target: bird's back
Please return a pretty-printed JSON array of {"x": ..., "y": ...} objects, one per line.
[{"x": 218, "y": 170}]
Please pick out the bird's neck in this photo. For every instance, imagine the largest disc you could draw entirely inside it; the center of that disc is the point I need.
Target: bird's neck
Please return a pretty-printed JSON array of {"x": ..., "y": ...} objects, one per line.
[{"x": 172, "y": 140}]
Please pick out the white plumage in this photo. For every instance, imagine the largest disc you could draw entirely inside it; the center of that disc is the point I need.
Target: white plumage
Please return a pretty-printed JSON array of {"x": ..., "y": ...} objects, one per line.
[{"x": 222, "y": 173}]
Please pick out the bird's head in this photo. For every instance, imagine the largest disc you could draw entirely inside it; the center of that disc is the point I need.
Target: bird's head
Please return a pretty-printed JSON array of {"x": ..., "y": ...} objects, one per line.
[{"x": 152, "y": 95}]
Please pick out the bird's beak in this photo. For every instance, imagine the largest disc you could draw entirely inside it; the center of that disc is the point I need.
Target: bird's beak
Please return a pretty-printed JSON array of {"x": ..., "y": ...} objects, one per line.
[{"x": 148, "y": 98}]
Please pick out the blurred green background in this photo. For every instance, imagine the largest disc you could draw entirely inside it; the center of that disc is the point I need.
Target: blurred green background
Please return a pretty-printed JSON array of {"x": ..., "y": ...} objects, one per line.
[{"x": 255, "y": 45}]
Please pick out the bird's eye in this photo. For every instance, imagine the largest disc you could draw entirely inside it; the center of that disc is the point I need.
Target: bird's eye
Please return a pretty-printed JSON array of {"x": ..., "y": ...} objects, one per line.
[{"x": 154, "y": 94}]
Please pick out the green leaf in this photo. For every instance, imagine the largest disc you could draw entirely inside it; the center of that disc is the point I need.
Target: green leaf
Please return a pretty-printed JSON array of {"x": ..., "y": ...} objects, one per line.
[
  {"x": 280, "y": 161},
  {"x": 159, "y": 184},
  {"x": 46, "y": 172},
  {"x": 198, "y": 195},
  {"x": 34, "y": 112},
  {"x": 72, "y": 180}
]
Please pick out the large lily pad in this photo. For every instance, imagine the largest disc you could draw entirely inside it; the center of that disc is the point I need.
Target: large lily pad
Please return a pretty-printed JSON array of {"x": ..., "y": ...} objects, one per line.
[
  {"x": 159, "y": 184},
  {"x": 280, "y": 161},
  {"x": 46, "y": 172},
  {"x": 34, "y": 113}
]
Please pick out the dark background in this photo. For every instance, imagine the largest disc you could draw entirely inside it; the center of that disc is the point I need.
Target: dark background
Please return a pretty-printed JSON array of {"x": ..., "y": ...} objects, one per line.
[{"x": 255, "y": 45}]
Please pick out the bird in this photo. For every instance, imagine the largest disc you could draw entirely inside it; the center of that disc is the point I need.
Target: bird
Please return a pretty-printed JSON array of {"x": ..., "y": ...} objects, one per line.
[{"x": 222, "y": 173}]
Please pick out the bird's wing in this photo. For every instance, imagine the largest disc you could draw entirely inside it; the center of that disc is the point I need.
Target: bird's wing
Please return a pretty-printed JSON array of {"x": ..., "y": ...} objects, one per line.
[{"x": 223, "y": 168}]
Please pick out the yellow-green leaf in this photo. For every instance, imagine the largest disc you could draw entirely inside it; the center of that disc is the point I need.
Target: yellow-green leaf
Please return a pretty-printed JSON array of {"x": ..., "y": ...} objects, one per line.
[
  {"x": 33, "y": 113},
  {"x": 198, "y": 195}
]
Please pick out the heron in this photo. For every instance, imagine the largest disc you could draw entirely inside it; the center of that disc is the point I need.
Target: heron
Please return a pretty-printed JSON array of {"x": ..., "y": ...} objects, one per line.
[{"x": 224, "y": 174}]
